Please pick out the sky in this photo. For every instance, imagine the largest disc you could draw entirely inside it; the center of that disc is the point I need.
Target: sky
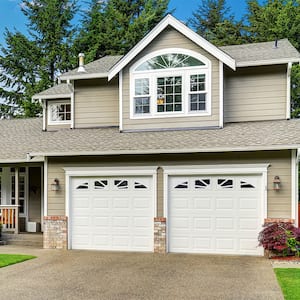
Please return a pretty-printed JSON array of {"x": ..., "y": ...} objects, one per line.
[{"x": 11, "y": 16}]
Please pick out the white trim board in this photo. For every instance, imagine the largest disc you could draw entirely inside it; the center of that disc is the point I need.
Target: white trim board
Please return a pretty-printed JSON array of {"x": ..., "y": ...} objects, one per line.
[
  {"x": 245, "y": 169},
  {"x": 71, "y": 172},
  {"x": 179, "y": 26}
]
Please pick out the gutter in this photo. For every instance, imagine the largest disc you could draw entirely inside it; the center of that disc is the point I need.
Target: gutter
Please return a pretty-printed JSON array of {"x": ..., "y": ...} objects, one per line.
[
  {"x": 267, "y": 62},
  {"x": 164, "y": 151},
  {"x": 84, "y": 76}
]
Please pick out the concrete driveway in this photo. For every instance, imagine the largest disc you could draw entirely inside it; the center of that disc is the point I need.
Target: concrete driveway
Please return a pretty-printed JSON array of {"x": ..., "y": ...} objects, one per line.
[{"x": 74, "y": 274}]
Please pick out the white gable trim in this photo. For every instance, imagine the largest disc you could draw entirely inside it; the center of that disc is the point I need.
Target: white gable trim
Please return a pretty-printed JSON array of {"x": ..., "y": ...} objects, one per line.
[{"x": 193, "y": 36}]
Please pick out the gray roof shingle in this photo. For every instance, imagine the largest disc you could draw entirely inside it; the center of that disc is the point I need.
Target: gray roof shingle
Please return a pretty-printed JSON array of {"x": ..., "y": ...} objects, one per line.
[
  {"x": 22, "y": 136},
  {"x": 100, "y": 66},
  {"x": 63, "y": 89},
  {"x": 258, "y": 53}
]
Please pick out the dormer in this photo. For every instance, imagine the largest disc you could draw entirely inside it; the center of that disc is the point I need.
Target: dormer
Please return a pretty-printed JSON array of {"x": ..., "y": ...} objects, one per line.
[
  {"x": 57, "y": 106},
  {"x": 171, "y": 79}
]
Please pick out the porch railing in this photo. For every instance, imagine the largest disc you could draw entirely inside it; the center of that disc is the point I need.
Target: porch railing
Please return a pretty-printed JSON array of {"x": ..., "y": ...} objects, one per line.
[{"x": 9, "y": 218}]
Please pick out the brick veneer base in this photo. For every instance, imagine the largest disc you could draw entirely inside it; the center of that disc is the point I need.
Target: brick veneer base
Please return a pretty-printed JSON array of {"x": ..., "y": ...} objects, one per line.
[
  {"x": 55, "y": 232},
  {"x": 160, "y": 245},
  {"x": 279, "y": 220}
]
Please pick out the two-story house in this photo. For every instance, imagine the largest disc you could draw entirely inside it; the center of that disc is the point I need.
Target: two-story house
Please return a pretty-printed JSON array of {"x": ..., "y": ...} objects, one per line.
[{"x": 178, "y": 146}]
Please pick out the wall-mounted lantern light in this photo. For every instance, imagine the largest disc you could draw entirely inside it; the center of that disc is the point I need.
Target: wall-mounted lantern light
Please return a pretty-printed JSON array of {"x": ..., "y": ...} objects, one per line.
[
  {"x": 55, "y": 185},
  {"x": 276, "y": 183}
]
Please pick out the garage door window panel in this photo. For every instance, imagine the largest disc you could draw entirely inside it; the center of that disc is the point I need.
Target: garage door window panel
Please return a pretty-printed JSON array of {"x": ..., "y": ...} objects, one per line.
[
  {"x": 100, "y": 184},
  {"x": 202, "y": 183},
  {"x": 121, "y": 184},
  {"x": 225, "y": 183},
  {"x": 83, "y": 186}
]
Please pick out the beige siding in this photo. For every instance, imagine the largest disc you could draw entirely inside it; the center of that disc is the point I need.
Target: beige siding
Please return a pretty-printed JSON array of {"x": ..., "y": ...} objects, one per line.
[
  {"x": 279, "y": 202},
  {"x": 170, "y": 38},
  {"x": 96, "y": 103},
  {"x": 254, "y": 94}
]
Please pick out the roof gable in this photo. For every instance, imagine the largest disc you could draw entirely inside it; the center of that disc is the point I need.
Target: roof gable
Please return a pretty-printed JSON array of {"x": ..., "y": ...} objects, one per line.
[{"x": 183, "y": 29}]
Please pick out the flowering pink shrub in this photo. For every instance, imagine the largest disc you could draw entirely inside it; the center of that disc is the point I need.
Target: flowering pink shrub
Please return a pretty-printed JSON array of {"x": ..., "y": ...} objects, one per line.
[{"x": 280, "y": 238}]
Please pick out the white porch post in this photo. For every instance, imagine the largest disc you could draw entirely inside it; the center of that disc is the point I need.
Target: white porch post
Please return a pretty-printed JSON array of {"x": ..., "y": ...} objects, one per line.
[{"x": 17, "y": 198}]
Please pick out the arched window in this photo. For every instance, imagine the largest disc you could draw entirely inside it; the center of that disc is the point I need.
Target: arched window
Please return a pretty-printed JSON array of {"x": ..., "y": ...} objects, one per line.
[{"x": 170, "y": 82}]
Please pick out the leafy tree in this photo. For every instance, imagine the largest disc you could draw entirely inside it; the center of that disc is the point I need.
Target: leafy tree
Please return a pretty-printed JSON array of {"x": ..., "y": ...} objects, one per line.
[
  {"x": 213, "y": 21},
  {"x": 30, "y": 64},
  {"x": 117, "y": 25},
  {"x": 277, "y": 19}
]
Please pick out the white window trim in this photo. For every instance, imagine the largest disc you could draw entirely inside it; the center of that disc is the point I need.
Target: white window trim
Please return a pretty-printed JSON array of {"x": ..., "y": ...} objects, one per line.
[
  {"x": 185, "y": 72},
  {"x": 245, "y": 169},
  {"x": 50, "y": 122}
]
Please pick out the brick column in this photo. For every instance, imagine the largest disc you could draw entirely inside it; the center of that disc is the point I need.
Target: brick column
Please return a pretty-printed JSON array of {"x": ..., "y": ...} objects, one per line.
[
  {"x": 160, "y": 242},
  {"x": 55, "y": 232}
]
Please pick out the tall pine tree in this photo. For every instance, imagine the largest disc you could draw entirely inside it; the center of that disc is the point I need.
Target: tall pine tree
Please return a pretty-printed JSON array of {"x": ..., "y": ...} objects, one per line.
[
  {"x": 213, "y": 21},
  {"x": 31, "y": 63},
  {"x": 115, "y": 26}
]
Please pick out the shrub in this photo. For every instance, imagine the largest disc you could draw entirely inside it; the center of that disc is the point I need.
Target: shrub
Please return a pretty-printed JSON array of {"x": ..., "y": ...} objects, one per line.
[{"x": 280, "y": 238}]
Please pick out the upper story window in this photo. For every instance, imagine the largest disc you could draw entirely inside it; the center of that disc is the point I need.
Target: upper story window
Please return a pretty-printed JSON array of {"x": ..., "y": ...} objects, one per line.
[
  {"x": 59, "y": 112},
  {"x": 173, "y": 82}
]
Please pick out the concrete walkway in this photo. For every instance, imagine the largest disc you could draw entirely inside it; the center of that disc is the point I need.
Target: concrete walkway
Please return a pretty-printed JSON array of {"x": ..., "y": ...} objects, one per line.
[{"x": 74, "y": 274}]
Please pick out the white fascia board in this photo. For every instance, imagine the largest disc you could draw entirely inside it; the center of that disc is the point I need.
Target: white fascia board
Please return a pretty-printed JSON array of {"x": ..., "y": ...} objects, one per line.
[
  {"x": 179, "y": 26},
  {"x": 267, "y": 62},
  {"x": 109, "y": 171},
  {"x": 16, "y": 161},
  {"x": 84, "y": 76},
  {"x": 49, "y": 97},
  {"x": 166, "y": 151}
]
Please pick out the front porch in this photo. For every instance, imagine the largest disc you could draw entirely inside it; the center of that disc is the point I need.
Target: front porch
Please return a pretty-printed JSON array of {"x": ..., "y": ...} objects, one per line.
[{"x": 21, "y": 199}]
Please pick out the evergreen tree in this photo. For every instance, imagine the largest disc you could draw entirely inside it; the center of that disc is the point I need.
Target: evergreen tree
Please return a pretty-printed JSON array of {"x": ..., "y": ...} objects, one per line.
[
  {"x": 117, "y": 25},
  {"x": 213, "y": 21},
  {"x": 89, "y": 39},
  {"x": 31, "y": 64}
]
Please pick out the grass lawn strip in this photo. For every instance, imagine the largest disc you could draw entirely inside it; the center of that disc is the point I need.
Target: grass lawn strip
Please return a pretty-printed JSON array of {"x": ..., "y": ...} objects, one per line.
[
  {"x": 289, "y": 280},
  {"x": 10, "y": 259}
]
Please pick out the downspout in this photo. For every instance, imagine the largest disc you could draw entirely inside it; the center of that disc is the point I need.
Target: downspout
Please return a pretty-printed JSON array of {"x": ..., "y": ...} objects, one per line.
[
  {"x": 43, "y": 102},
  {"x": 288, "y": 90},
  {"x": 72, "y": 105}
]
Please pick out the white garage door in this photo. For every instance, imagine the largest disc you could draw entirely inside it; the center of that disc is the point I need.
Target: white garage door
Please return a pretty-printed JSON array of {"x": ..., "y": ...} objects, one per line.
[
  {"x": 214, "y": 214},
  {"x": 112, "y": 213}
]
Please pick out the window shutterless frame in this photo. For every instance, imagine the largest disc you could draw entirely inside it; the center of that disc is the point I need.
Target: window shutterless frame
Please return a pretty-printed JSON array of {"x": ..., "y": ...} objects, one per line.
[
  {"x": 66, "y": 111},
  {"x": 152, "y": 75}
]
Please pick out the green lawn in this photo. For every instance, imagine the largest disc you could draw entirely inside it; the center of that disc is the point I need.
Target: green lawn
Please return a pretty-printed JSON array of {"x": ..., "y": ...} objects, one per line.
[
  {"x": 10, "y": 259},
  {"x": 289, "y": 280}
]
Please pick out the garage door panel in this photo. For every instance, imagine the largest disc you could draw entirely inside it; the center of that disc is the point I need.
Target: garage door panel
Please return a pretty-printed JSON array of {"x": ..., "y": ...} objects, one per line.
[
  {"x": 140, "y": 222},
  {"x": 100, "y": 202},
  {"x": 81, "y": 202},
  {"x": 121, "y": 203},
  {"x": 219, "y": 215},
  {"x": 226, "y": 245},
  {"x": 225, "y": 203},
  {"x": 248, "y": 245},
  {"x": 141, "y": 202},
  {"x": 225, "y": 224},
  {"x": 203, "y": 203},
  {"x": 202, "y": 244},
  {"x": 248, "y": 224},
  {"x": 202, "y": 224},
  {"x": 118, "y": 213}
]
